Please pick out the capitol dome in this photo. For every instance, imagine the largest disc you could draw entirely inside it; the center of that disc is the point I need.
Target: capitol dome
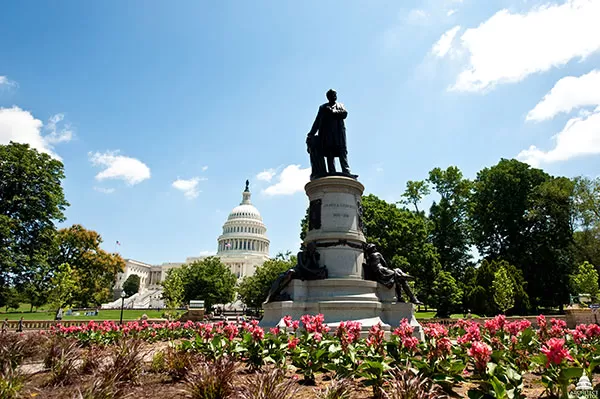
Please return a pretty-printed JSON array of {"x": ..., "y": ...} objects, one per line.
[{"x": 244, "y": 231}]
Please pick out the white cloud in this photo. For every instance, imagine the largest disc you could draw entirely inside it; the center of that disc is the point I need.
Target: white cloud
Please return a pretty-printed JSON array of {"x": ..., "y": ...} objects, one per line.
[
  {"x": 205, "y": 168},
  {"x": 581, "y": 134},
  {"x": 104, "y": 190},
  {"x": 579, "y": 137},
  {"x": 266, "y": 175},
  {"x": 22, "y": 127},
  {"x": 510, "y": 46},
  {"x": 207, "y": 253},
  {"x": 130, "y": 170},
  {"x": 55, "y": 134},
  {"x": 4, "y": 81},
  {"x": 291, "y": 180},
  {"x": 444, "y": 44},
  {"x": 451, "y": 12},
  {"x": 568, "y": 93},
  {"x": 189, "y": 187},
  {"x": 417, "y": 15}
]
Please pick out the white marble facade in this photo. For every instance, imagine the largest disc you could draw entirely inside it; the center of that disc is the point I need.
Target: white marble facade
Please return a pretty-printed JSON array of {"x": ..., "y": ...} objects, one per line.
[{"x": 243, "y": 246}]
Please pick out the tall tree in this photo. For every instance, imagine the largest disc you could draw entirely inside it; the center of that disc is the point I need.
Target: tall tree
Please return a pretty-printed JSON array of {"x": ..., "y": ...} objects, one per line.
[
  {"x": 63, "y": 287},
  {"x": 524, "y": 216},
  {"x": 587, "y": 222},
  {"x": 449, "y": 219},
  {"x": 253, "y": 289},
  {"x": 504, "y": 291},
  {"x": 402, "y": 238},
  {"x": 585, "y": 280},
  {"x": 131, "y": 286},
  {"x": 208, "y": 279},
  {"x": 173, "y": 288},
  {"x": 31, "y": 201},
  {"x": 96, "y": 269},
  {"x": 415, "y": 191},
  {"x": 446, "y": 294}
]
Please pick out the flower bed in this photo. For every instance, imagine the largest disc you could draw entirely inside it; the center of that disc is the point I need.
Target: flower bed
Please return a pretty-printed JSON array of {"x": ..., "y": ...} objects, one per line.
[{"x": 489, "y": 360}]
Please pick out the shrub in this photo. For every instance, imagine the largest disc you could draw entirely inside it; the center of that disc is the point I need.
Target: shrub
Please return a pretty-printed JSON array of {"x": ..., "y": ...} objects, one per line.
[
  {"x": 178, "y": 363},
  {"x": 91, "y": 360},
  {"x": 158, "y": 362},
  {"x": 11, "y": 384},
  {"x": 268, "y": 385},
  {"x": 405, "y": 384},
  {"x": 338, "y": 389},
  {"x": 12, "y": 352},
  {"x": 126, "y": 361},
  {"x": 211, "y": 380},
  {"x": 104, "y": 387},
  {"x": 61, "y": 359}
]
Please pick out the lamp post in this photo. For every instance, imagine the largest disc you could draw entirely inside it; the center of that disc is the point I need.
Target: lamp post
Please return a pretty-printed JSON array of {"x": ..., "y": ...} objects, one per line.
[{"x": 122, "y": 305}]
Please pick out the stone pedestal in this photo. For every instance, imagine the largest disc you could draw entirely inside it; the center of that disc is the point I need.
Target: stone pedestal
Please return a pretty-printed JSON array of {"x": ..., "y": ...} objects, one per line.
[{"x": 335, "y": 226}]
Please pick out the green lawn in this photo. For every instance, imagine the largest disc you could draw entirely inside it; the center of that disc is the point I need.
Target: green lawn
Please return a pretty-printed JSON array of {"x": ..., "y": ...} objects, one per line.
[
  {"x": 111, "y": 314},
  {"x": 430, "y": 315}
]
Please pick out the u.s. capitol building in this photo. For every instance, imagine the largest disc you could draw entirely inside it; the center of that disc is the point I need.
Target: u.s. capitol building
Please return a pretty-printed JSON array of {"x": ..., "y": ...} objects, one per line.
[{"x": 243, "y": 245}]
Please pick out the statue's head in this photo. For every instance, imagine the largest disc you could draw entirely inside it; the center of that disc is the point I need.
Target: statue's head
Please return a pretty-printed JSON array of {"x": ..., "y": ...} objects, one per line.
[
  {"x": 311, "y": 247},
  {"x": 331, "y": 95},
  {"x": 370, "y": 248}
]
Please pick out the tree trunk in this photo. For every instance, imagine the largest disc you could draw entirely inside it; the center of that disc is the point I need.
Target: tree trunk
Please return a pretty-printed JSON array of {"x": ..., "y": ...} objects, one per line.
[{"x": 31, "y": 308}]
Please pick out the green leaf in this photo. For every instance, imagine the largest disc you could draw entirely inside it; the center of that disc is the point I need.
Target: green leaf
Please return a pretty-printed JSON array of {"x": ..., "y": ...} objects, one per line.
[
  {"x": 499, "y": 388},
  {"x": 570, "y": 373}
]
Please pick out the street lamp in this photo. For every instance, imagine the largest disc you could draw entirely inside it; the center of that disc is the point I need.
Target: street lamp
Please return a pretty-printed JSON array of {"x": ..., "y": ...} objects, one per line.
[{"x": 122, "y": 305}]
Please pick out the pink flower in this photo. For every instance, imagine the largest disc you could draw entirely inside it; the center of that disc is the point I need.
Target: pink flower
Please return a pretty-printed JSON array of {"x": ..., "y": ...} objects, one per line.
[
  {"x": 404, "y": 330},
  {"x": 555, "y": 351},
  {"x": 481, "y": 353},
  {"x": 318, "y": 336},
  {"x": 288, "y": 321},
  {"x": 258, "y": 333},
  {"x": 435, "y": 330},
  {"x": 274, "y": 330},
  {"x": 410, "y": 343},
  {"x": 293, "y": 342},
  {"x": 496, "y": 324},
  {"x": 375, "y": 337}
]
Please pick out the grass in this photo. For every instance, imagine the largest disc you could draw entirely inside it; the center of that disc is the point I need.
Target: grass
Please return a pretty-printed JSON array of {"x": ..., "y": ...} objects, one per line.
[
  {"x": 431, "y": 315},
  {"x": 109, "y": 314}
]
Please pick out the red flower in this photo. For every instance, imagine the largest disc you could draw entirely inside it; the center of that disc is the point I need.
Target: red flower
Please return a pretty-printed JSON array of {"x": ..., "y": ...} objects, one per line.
[
  {"x": 292, "y": 343},
  {"x": 481, "y": 353},
  {"x": 555, "y": 351}
]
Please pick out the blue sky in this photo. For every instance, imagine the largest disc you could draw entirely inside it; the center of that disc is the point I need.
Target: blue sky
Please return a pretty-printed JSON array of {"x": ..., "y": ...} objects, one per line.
[{"x": 161, "y": 110}]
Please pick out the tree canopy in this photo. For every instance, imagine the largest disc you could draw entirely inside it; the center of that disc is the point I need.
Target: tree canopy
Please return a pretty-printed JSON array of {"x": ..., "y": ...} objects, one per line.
[
  {"x": 96, "y": 269},
  {"x": 253, "y": 289},
  {"x": 31, "y": 202},
  {"x": 131, "y": 286},
  {"x": 207, "y": 279}
]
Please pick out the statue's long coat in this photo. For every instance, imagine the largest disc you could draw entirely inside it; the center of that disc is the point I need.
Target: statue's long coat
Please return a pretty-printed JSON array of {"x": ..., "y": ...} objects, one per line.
[{"x": 332, "y": 129}]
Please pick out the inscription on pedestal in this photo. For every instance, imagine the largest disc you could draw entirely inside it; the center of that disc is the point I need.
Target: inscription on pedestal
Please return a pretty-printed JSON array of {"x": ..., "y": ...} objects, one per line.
[{"x": 339, "y": 213}]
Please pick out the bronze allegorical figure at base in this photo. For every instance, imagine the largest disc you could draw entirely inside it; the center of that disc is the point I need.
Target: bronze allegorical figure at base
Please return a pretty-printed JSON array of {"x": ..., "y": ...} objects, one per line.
[
  {"x": 307, "y": 268},
  {"x": 376, "y": 269}
]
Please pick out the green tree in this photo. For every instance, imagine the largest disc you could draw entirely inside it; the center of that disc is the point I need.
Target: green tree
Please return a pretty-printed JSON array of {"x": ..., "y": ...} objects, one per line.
[
  {"x": 415, "y": 191},
  {"x": 504, "y": 291},
  {"x": 585, "y": 280},
  {"x": 481, "y": 297},
  {"x": 402, "y": 238},
  {"x": 131, "y": 286},
  {"x": 446, "y": 296},
  {"x": 304, "y": 226},
  {"x": 253, "y": 289},
  {"x": 173, "y": 289},
  {"x": 587, "y": 222},
  {"x": 208, "y": 279},
  {"x": 31, "y": 201},
  {"x": 63, "y": 287},
  {"x": 96, "y": 269},
  {"x": 524, "y": 216},
  {"x": 449, "y": 220}
]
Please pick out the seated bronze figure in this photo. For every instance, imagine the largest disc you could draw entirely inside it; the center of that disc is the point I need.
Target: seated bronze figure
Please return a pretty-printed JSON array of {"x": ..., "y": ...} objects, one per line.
[{"x": 376, "y": 269}]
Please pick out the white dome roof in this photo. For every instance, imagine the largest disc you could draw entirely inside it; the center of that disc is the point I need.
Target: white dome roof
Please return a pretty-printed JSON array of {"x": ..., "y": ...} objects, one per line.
[
  {"x": 244, "y": 231},
  {"x": 245, "y": 211}
]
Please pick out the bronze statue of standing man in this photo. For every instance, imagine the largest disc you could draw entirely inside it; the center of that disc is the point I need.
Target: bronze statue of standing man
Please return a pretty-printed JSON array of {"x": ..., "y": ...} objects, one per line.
[{"x": 330, "y": 142}]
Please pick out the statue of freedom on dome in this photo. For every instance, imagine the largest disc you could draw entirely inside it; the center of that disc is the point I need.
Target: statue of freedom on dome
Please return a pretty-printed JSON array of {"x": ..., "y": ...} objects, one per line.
[{"x": 330, "y": 142}]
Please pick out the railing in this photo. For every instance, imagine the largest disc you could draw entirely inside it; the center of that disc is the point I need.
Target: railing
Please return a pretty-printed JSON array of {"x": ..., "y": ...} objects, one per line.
[
  {"x": 482, "y": 320},
  {"x": 13, "y": 325}
]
